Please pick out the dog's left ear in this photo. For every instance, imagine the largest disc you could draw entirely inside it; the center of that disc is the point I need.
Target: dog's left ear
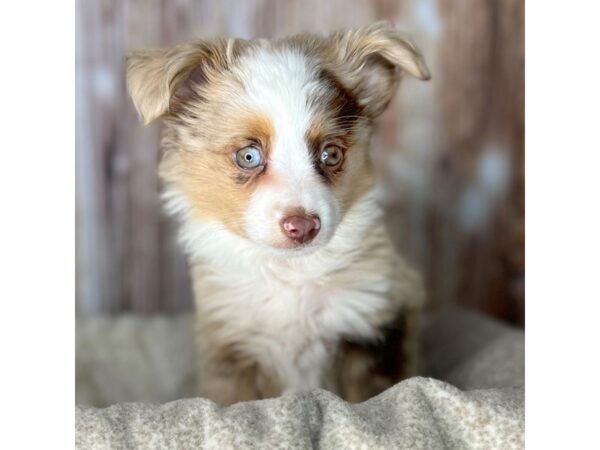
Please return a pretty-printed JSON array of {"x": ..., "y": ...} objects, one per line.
[{"x": 371, "y": 60}]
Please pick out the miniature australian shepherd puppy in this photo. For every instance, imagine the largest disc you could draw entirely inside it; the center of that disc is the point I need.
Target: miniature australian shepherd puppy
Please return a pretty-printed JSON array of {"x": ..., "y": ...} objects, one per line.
[{"x": 266, "y": 164}]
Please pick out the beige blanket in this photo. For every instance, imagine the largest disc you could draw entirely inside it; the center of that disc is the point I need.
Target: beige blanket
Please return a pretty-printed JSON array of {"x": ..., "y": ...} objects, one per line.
[{"x": 480, "y": 403}]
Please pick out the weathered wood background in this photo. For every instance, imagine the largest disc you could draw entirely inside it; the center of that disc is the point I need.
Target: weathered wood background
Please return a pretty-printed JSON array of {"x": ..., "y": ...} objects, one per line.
[{"x": 451, "y": 150}]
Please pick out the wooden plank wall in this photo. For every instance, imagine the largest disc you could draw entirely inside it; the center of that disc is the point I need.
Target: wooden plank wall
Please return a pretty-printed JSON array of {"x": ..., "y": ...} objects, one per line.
[{"x": 450, "y": 151}]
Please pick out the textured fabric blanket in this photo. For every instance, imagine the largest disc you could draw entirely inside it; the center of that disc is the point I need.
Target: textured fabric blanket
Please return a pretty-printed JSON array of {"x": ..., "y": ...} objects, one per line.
[{"x": 144, "y": 369}]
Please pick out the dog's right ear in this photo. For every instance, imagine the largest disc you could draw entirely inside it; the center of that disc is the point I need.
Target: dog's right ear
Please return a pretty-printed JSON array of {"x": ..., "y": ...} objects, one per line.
[{"x": 160, "y": 81}]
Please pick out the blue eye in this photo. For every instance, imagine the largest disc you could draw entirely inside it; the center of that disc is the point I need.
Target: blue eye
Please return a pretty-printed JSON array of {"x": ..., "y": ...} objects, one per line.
[
  {"x": 331, "y": 156},
  {"x": 248, "y": 157}
]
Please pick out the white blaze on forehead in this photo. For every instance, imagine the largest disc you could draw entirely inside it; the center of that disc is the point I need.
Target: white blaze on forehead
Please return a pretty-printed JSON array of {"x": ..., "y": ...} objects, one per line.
[{"x": 279, "y": 85}]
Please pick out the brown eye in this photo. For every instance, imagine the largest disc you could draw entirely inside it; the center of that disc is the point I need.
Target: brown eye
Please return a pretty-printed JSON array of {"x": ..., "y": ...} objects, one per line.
[
  {"x": 248, "y": 157},
  {"x": 331, "y": 156}
]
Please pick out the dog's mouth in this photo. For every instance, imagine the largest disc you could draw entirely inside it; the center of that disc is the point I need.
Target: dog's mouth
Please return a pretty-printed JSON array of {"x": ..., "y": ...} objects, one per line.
[
  {"x": 295, "y": 250},
  {"x": 292, "y": 248}
]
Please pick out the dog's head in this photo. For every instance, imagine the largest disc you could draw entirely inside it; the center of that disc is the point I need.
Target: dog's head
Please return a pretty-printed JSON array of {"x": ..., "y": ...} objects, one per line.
[{"x": 269, "y": 138}]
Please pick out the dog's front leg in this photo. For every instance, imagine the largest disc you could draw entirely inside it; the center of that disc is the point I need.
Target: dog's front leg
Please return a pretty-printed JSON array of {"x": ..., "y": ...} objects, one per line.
[
  {"x": 226, "y": 383},
  {"x": 365, "y": 370}
]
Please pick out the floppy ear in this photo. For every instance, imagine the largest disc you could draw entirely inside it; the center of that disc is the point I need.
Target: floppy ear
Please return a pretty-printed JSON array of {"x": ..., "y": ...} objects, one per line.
[
  {"x": 161, "y": 80},
  {"x": 372, "y": 59}
]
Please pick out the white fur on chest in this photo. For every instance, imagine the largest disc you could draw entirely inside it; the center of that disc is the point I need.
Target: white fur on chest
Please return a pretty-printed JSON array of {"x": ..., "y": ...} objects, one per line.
[{"x": 291, "y": 320}]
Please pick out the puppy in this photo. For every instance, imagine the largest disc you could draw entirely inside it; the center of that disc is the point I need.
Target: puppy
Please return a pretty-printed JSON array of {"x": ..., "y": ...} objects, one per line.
[{"x": 265, "y": 163}]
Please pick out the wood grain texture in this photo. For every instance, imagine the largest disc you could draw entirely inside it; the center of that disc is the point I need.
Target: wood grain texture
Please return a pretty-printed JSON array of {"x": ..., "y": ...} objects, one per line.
[{"x": 450, "y": 151}]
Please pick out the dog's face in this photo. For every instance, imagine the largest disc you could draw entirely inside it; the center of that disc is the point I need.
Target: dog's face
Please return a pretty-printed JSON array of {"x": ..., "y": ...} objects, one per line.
[{"x": 270, "y": 138}]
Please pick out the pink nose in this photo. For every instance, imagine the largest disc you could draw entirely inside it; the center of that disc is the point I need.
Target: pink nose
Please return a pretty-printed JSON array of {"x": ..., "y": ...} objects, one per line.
[{"x": 301, "y": 229}]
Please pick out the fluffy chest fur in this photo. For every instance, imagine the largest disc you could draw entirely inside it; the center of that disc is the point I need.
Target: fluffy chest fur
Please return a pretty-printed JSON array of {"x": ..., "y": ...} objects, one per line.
[{"x": 286, "y": 323}]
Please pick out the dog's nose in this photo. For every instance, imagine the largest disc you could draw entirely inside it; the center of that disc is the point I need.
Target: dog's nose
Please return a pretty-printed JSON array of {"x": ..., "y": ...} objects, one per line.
[{"x": 301, "y": 229}]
